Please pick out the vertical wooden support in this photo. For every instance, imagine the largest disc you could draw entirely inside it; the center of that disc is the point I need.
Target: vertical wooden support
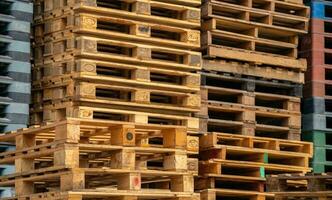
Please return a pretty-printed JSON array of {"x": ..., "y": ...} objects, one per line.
[
  {"x": 68, "y": 132},
  {"x": 24, "y": 164},
  {"x": 23, "y": 187},
  {"x": 67, "y": 156},
  {"x": 131, "y": 181},
  {"x": 141, "y": 96},
  {"x": 141, "y": 7},
  {"x": 175, "y": 138},
  {"x": 74, "y": 197},
  {"x": 274, "y": 184},
  {"x": 184, "y": 183},
  {"x": 208, "y": 195},
  {"x": 193, "y": 143},
  {"x": 74, "y": 180},
  {"x": 123, "y": 135},
  {"x": 316, "y": 184},
  {"x": 176, "y": 162},
  {"x": 123, "y": 159}
]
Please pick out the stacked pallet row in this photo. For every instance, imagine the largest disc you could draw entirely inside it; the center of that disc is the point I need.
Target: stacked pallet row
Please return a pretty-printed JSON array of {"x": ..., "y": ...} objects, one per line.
[
  {"x": 317, "y": 117},
  {"x": 80, "y": 159},
  {"x": 251, "y": 86},
  {"x": 15, "y": 22},
  {"x": 117, "y": 60},
  {"x": 297, "y": 186}
]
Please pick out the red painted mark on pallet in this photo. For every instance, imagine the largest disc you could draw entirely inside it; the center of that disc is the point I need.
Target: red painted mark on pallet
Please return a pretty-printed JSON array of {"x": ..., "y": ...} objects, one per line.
[{"x": 137, "y": 181}]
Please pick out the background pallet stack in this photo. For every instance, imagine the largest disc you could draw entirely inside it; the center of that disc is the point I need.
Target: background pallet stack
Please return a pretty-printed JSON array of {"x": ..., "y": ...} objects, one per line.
[
  {"x": 15, "y": 22},
  {"x": 251, "y": 86},
  {"x": 117, "y": 60},
  {"x": 317, "y": 104},
  {"x": 88, "y": 159}
]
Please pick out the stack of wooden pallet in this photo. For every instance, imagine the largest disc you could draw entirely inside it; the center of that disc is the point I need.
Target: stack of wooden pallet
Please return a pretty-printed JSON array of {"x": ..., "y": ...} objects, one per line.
[
  {"x": 295, "y": 186},
  {"x": 252, "y": 79},
  {"x": 317, "y": 100},
  {"x": 87, "y": 159},
  {"x": 251, "y": 93},
  {"x": 234, "y": 166},
  {"x": 124, "y": 60}
]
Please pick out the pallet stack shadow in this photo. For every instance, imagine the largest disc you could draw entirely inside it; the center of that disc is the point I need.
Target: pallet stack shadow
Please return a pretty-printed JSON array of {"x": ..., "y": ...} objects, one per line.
[
  {"x": 294, "y": 186},
  {"x": 317, "y": 103},
  {"x": 15, "y": 23},
  {"x": 78, "y": 159},
  {"x": 117, "y": 60},
  {"x": 251, "y": 86}
]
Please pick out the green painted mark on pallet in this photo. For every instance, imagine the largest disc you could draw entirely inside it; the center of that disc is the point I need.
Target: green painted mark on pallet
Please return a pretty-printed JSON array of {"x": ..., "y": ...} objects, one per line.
[{"x": 262, "y": 172}]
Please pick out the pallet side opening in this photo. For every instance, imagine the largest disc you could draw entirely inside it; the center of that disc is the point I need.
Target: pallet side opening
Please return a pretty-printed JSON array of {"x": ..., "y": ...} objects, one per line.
[
  {"x": 328, "y": 11},
  {"x": 328, "y": 27},
  {"x": 328, "y": 43}
]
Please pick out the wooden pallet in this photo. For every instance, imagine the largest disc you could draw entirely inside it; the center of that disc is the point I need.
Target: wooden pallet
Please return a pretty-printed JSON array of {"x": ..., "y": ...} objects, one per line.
[
  {"x": 86, "y": 110},
  {"x": 245, "y": 106},
  {"x": 125, "y": 96},
  {"x": 254, "y": 115},
  {"x": 215, "y": 139},
  {"x": 250, "y": 43},
  {"x": 84, "y": 152},
  {"x": 259, "y": 161},
  {"x": 116, "y": 28},
  {"x": 299, "y": 186},
  {"x": 257, "y": 101},
  {"x": 254, "y": 70},
  {"x": 149, "y": 11},
  {"x": 117, "y": 51},
  {"x": 242, "y": 82},
  {"x": 237, "y": 32},
  {"x": 234, "y": 166},
  {"x": 282, "y": 16},
  {"x": 112, "y": 72},
  {"x": 246, "y": 128}
]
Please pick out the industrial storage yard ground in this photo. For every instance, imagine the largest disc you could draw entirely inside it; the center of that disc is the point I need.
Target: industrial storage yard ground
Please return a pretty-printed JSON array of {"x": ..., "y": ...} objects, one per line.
[{"x": 166, "y": 99}]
